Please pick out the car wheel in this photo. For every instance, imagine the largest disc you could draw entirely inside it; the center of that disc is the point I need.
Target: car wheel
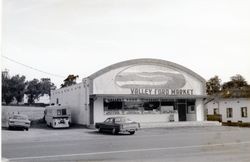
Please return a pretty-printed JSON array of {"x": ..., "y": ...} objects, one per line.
[
  {"x": 10, "y": 128},
  {"x": 114, "y": 131},
  {"x": 132, "y": 132},
  {"x": 26, "y": 129},
  {"x": 100, "y": 130}
]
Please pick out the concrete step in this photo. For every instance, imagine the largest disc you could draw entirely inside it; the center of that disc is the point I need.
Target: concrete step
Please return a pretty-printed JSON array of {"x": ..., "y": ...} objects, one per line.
[{"x": 179, "y": 124}]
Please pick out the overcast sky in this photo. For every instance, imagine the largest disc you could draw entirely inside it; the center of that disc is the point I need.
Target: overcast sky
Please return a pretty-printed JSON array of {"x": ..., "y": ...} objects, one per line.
[{"x": 210, "y": 37}]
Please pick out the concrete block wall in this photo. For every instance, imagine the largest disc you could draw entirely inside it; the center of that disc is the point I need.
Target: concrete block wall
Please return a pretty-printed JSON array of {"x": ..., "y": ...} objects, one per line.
[{"x": 73, "y": 97}]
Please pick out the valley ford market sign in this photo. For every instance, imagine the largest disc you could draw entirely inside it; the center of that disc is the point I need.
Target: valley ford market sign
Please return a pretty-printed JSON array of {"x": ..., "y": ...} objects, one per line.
[{"x": 167, "y": 92}]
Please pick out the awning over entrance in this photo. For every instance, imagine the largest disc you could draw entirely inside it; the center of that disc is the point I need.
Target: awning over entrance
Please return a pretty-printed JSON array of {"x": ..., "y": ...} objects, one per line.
[{"x": 156, "y": 97}]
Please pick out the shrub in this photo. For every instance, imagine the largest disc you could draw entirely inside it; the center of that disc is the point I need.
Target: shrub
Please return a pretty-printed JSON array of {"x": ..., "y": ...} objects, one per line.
[
  {"x": 214, "y": 117},
  {"x": 240, "y": 124}
]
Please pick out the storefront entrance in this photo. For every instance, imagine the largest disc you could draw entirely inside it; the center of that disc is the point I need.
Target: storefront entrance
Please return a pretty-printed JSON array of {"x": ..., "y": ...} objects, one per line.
[
  {"x": 91, "y": 111},
  {"x": 182, "y": 111}
]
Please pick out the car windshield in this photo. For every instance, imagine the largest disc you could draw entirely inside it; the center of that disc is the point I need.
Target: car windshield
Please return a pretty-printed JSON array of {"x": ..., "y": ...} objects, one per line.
[
  {"x": 122, "y": 120},
  {"x": 109, "y": 120},
  {"x": 19, "y": 117}
]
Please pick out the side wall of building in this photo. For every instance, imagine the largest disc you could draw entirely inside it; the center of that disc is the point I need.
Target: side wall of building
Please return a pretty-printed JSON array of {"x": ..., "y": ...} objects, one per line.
[
  {"x": 76, "y": 97},
  {"x": 210, "y": 106},
  {"x": 236, "y": 104}
]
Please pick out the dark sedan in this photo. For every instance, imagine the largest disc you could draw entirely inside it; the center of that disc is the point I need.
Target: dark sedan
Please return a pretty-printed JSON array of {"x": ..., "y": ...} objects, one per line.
[{"x": 117, "y": 125}]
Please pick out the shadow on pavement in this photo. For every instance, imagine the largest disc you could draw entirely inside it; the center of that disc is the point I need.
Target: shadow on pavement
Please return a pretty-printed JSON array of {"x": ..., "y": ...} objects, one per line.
[
  {"x": 41, "y": 124},
  {"x": 13, "y": 129},
  {"x": 95, "y": 132}
]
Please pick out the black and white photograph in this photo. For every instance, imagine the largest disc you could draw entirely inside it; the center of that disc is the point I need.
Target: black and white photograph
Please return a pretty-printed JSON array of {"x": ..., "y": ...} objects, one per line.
[{"x": 125, "y": 80}]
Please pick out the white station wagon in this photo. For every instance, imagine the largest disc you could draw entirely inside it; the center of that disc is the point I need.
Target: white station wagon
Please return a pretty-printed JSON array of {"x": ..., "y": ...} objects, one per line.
[{"x": 19, "y": 121}]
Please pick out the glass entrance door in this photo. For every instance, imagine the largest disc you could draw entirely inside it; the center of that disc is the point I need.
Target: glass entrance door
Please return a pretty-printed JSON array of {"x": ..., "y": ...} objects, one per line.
[
  {"x": 182, "y": 111},
  {"x": 91, "y": 111}
]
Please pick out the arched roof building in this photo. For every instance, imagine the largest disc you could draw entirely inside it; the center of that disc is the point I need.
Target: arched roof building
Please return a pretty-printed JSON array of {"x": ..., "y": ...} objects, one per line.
[{"x": 146, "y": 90}]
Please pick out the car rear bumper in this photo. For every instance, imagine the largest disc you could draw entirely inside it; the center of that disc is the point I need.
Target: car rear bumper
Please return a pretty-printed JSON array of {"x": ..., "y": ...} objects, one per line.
[
  {"x": 18, "y": 126},
  {"x": 61, "y": 123},
  {"x": 61, "y": 126},
  {"x": 128, "y": 130}
]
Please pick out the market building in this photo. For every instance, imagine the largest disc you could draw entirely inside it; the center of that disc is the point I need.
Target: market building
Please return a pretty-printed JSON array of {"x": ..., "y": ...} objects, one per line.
[{"x": 145, "y": 90}]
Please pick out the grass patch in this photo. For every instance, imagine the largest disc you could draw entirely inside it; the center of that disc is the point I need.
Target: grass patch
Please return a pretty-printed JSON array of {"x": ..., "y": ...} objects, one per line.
[{"x": 239, "y": 124}]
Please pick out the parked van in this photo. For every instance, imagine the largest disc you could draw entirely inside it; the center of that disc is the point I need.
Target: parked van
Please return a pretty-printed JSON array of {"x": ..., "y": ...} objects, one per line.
[{"x": 57, "y": 116}]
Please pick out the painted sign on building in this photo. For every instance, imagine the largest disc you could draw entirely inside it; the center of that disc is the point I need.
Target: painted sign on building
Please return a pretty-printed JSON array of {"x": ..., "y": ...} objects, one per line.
[
  {"x": 150, "y": 76},
  {"x": 148, "y": 79},
  {"x": 155, "y": 91}
]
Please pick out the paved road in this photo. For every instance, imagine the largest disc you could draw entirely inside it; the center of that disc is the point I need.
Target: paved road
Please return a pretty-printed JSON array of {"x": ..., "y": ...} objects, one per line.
[{"x": 161, "y": 144}]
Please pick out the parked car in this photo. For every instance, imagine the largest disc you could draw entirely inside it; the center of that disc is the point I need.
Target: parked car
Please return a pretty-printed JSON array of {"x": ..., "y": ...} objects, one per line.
[
  {"x": 19, "y": 121},
  {"x": 117, "y": 125}
]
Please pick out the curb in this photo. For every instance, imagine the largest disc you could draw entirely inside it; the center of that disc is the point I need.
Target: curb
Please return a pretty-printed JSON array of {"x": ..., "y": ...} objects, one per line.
[{"x": 179, "y": 124}]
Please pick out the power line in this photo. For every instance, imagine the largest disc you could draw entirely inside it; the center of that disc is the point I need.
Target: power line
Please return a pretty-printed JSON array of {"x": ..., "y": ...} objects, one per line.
[{"x": 27, "y": 66}]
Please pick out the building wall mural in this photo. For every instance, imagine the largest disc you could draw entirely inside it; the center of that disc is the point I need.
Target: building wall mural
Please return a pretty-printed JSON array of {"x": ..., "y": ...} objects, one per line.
[
  {"x": 147, "y": 79},
  {"x": 150, "y": 76}
]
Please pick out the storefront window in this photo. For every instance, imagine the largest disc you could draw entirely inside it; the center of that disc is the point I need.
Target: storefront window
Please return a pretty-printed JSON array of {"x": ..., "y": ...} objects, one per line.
[
  {"x": 151, "y": 107},
  {"x": 145, "y": 106},
  {"x": 190, "y": 106},
  {"x": 112, "y": 107},
  {"x": 132, "y": 107},
  {"x": 191, "y": 109},
  {"x": 168, "y": 106}
]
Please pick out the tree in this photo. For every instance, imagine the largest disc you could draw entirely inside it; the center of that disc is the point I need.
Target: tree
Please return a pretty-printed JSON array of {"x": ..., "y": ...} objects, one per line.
[
  {"x": 18, "y": 85},
  {"x": 46, "y": 86},
  {"x": 12, "y": 88},
  {"x": 36, "y": 89},
  {"x": 70, "y": 80},
  {"x": 33, "y": 90},
  {"x": 236, "y": 87},
  {"x": 213, "y": 85},
  {"x": 7, "y": 95},
  {"x": 15, "y": 87},
  {"x": 236, "y": 81}
]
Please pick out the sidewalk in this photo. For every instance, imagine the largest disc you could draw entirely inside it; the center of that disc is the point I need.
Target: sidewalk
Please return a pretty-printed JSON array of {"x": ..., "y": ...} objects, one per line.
[{"x": 180, "y": 124}]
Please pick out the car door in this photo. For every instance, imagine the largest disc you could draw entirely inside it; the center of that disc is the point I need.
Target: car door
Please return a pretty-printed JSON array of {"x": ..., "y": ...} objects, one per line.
[{"x": 108, "y": 124}]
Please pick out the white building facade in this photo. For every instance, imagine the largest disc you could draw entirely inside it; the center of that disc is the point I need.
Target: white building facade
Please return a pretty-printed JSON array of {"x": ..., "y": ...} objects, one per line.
[
  {"x": 231, "y": 109},
  {"x": 145, "y": 90}
]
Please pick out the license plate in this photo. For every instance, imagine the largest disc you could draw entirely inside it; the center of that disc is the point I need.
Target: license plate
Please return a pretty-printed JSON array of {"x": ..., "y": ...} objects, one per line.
[{"x": 62, "y": 122}]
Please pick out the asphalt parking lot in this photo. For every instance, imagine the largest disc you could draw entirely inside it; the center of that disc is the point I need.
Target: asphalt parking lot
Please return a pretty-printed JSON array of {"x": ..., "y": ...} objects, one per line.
[{"x": 214, "y": 143}]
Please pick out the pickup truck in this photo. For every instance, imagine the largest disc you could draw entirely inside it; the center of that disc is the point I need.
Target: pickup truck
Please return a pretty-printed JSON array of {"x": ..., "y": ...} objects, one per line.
[{"x": 117, "y": 125}]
